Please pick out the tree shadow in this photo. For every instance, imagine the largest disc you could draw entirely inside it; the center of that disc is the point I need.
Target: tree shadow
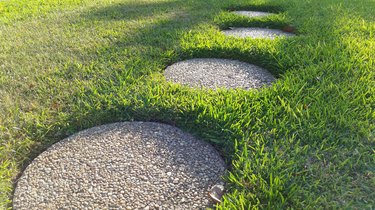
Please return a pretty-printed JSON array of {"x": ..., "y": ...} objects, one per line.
[{"x": 130, "y": 11}]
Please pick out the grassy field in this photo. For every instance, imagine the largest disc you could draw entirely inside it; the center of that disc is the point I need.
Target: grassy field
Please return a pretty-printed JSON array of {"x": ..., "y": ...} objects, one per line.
[{"x": 306, "y": 142}]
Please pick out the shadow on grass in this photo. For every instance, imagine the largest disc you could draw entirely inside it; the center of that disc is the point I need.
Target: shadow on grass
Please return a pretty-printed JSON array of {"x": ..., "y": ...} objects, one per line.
[{"x": 130, "y": 11}]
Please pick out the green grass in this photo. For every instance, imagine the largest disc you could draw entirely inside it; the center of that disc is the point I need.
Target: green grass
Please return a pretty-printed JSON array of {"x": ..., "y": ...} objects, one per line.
[{"x": 307, "y": 142}]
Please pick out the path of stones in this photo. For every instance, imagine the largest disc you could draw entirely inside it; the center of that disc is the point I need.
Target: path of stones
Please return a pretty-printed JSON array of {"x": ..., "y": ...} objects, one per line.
[
  {"x": 263, "y": 33},
  {"x": 140, "y": 165}
]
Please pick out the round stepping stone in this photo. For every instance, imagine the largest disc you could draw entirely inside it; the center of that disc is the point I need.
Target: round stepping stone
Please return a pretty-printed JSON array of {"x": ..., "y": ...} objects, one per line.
[
  {"x": 252, "y": 13},
  {"x": 214, "y": 73},
  {"x": 129, "y": 165},
  {"x": 256, "y": 33}
]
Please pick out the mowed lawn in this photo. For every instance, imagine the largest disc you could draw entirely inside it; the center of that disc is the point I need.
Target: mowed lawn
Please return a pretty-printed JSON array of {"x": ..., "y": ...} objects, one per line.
[{"x": 306, "y": 142}]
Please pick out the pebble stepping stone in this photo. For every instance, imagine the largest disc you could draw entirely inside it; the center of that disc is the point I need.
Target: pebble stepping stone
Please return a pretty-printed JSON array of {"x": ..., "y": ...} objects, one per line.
[
  {"x": 214, "y": 73},
  {"x": 256, "y": 33},
  {"x": 252, "y": 13},
  {"x": 129, "y": 165}
]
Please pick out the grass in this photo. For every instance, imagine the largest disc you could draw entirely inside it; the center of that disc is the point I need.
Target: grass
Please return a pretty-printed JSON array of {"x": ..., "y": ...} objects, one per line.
[{"x": 307, "y": 142}]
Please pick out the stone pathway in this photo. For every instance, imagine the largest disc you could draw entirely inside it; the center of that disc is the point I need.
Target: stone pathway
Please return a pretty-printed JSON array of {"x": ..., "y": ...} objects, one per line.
[
  {"x": 214, "y": 73},
  {"x": 130, "y": 165},
  {"x": 142, "y": 165},
  {"x": 263, "y": 33}
]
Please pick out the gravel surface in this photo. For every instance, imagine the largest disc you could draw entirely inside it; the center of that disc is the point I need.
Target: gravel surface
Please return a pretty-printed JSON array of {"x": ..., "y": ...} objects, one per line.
[
  {"x": 253, "y": 13},
  {"x": 130, "y": 165},
  {"x": 256, "y": 33},
  {"x": 213, "y": 73}
]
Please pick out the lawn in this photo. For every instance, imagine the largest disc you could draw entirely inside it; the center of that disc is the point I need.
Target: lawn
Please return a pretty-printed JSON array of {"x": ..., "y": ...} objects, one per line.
[{"x": 306, "y": 142}]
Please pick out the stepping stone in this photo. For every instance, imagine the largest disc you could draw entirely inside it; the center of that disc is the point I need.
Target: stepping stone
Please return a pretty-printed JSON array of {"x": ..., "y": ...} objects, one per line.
[
  {"x": 256, "y": 33},
  {"x": 129, "y": 165},
  {"x": 214, "y": 73},
  {"x": 253, "y": 13}
]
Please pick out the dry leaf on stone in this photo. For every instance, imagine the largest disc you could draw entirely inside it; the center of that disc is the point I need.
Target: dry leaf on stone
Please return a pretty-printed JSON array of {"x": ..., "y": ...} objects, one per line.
[{"x": 216, "y": 192}]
